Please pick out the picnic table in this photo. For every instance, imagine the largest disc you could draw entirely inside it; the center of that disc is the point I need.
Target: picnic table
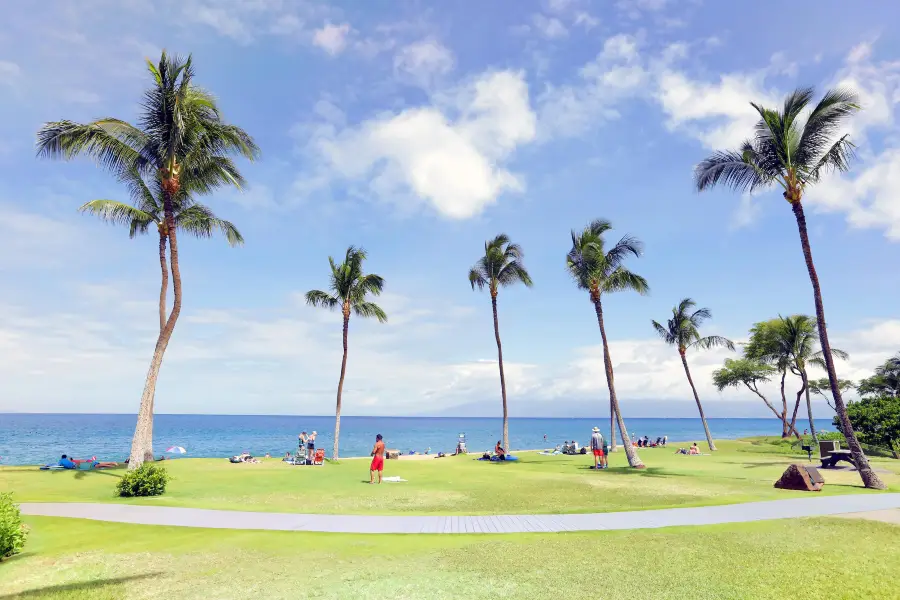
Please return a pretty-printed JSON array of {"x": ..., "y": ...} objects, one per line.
[{"x": 830, "y": 461}]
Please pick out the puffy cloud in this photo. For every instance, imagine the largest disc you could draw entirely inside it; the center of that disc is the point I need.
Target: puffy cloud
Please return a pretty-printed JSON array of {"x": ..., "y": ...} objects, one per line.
[
  {"x": 424, "y": 60},
  {"x": 332, "y": 38},
  {"x": 615, "y": 74},
  {"x": 449, "y": 154},
  {"x": 550, "y": 28}
]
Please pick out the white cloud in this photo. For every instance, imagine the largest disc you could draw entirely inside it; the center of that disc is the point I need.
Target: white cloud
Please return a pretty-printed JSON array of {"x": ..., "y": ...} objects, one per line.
[
  {"x": 32, "y": 239},
  {"x": 550, "y": 28},
  {"x": 868, "y": 196},
  {"x": 747, "y": 212},
  {"x": 424, "y": 60},
  {"x": 284, "y": 359},
  {"x": 583, "y": 19},
  {"x": 449, "y": 154},
  {"x": 616, "y": 73},
  {"x": 332, "y": 38}
]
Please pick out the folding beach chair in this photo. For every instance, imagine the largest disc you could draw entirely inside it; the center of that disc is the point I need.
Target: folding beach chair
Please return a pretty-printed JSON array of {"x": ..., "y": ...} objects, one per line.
[{"x": 319, "y": 458}]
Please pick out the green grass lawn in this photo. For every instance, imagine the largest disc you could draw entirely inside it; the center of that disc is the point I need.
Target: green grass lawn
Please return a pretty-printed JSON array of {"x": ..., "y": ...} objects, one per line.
[
  {"x": 740, "y": 471},
  {"x": 799, "y": 559},
  {"x": 808, "y": 558}
]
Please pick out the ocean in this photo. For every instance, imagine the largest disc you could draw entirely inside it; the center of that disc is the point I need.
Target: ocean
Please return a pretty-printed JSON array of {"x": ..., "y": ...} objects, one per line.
[{"x": 27, "y": 439}]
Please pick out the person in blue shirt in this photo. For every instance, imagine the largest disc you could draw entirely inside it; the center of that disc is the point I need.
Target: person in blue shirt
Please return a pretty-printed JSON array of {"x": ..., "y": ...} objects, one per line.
[{"x": 72, "y": 463}]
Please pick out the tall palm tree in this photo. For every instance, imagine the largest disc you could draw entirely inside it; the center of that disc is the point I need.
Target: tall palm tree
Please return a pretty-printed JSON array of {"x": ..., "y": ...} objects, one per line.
[
  {"x": 182, "y": 142},
  {"x": 348, "y": 287},
  {"x": 794, "y": 153},
  {"x": 602, "y": 272},
  {"x": 683, "y": 332},
  {"x": 190, "y": 217},
  {"x": 501, "y": 266}
]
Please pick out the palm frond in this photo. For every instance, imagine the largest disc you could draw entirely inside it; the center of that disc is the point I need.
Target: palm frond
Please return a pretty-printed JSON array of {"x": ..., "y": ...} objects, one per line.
[
  {"x": 477, "y": 278},
  {"x": 624, "y": 280},
  {"x": 369, "y": 309},
  {"x": 513, "y": 273},
  {"x": 664, "y": 333},
  {"x": 837, "y": 158},
  {"x": 713, "y": 341},
  {"x": 119, "y": 213},
  {"x": 731, "y": 169},
  {"x": 106, "y": 141},
  {"x": 823, "y": 123},
  {"x": 322, "y": 299}
]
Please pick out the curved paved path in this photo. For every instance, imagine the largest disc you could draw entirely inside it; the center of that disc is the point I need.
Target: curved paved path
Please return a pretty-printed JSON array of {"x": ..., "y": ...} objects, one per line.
[{"x": 812, "y": 506}]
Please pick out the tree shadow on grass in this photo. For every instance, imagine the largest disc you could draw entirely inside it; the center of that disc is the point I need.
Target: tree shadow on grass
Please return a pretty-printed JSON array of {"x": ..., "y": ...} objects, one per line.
[
  {"x": 97, "y": 588},
  {"x": 630, "y": 472},
  {"x": 81, "y": 474}
]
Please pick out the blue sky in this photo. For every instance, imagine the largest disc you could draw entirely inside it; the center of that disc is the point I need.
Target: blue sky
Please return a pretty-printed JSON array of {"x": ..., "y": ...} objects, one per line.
[{"x": 418, "y": 130}]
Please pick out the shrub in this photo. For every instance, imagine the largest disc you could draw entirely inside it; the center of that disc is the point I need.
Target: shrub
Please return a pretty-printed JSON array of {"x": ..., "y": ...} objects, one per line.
[
  {"x": 12, "y": 531},
  {"x": 147, "y": 480}
]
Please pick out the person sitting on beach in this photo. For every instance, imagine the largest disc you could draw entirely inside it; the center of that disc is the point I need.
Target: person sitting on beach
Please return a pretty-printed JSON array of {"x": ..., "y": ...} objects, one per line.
[
  {"x": 499, "y": 452},
  {"x": 72, "y": 463},
  {"x": 694, "y": 449},
  {"x": 681, "y": 451},
  {"x": 287, "y": 457}
]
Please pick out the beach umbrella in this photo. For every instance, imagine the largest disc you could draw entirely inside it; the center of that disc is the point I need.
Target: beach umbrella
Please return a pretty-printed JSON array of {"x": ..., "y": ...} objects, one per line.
[{"x": 176, "y": 450}]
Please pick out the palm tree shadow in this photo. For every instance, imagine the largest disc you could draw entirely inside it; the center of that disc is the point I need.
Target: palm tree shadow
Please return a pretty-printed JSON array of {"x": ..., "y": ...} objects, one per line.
[
  {"x": 629, "y": 472},
  {"x": 94, "y": 586}
]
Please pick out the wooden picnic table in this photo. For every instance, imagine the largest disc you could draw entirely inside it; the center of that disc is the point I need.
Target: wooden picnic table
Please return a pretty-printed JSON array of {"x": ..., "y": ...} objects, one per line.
[{"x": 830, "y": 461}]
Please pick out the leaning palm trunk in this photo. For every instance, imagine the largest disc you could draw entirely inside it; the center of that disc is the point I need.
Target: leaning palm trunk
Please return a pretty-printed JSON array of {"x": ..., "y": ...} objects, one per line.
[
  {"x": 612, "y": 428},
  {"x": 687, "y": 371},
  {"x": 164, "y": 285},
  {"x": 145, "y": 413},
  {"x": 633, "y": 458},
  {"x": 812, "y": 424},
  {"x": 502, "y": 377},
  {"x": 340, "y": 390},
  {"x": 868, "y": 476}
]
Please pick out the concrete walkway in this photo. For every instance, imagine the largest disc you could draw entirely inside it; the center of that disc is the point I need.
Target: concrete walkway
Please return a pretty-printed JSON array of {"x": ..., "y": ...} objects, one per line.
[{"x": 812, "y": 506}]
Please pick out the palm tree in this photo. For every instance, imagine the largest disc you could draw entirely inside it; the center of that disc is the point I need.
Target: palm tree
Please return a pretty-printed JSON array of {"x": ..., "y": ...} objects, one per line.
[
  {"x": 682, "y": 331},
  {"x": 190, "y": 217},
  {"x": 800, "y": 337},
  {"x": 794, "y": 153},
  {"x": 349, "y": 287},
  {"x": 501, "y": 266},
  {"x": 182, "y": 143},
  {"x": 789, "y": 343},
  {"x": 600, "y": 272}
]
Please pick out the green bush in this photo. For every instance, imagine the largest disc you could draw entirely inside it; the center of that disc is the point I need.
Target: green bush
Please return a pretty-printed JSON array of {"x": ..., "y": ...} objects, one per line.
[
  {"x": 12, "y": 531},
  {"x": 147, "y": 480}
]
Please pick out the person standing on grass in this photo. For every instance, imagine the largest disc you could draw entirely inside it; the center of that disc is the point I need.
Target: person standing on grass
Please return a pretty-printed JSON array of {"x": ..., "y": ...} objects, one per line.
[
  {"x": 377, "y": 459},
  {"x": 597, "y": 448}
]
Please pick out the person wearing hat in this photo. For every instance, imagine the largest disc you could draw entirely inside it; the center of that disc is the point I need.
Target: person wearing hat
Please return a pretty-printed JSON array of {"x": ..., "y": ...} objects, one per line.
[{"x": 597, "y": 448}]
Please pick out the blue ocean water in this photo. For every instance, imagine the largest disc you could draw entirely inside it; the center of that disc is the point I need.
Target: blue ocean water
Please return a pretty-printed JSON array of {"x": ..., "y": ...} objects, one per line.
[{"x": 40, "y": 438}]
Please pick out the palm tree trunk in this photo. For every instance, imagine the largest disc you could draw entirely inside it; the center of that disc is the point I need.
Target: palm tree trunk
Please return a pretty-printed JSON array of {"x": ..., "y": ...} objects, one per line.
[
  {"x": 687, "y": 371},
  {"x": 785, "y": 431},
  {"x": 868, "y": 476},
  {"x": 164, "y": 285},
  {"x": 502, "y": 377},
  {"x": 793, "y": 427},
  {"x": 632, "y": 455},
  {"x": 145, "y": 412},
  {"x": 612, "y": 428},
  {"x": 812, "y": 424},
  {"x": 337, "y": 410}
]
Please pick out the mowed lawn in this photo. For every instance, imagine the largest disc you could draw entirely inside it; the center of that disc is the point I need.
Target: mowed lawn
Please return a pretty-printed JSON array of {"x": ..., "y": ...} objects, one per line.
[
  {"x": 740, "y": 471},
  {"x": 801, "y": 559}
]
